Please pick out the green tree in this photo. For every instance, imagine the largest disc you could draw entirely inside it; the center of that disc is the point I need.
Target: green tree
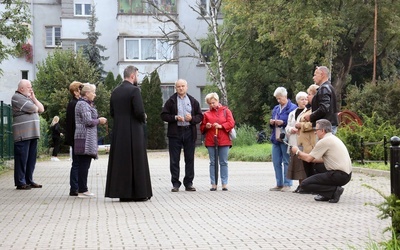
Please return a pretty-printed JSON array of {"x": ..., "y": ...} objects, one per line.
[
  {"x": 381, "y": 98},
  {"x": 92, "y": 51},
  {"x": 118, "y": 80},
  {"x": 152, "y": 99},
  {"x": 54, "y": 76},
  {"x": 335, "y": 33},
  {"x": 109, "y": 81},
  {"x": 14, "y": 27},
  {"x": 255, "y": 71}
]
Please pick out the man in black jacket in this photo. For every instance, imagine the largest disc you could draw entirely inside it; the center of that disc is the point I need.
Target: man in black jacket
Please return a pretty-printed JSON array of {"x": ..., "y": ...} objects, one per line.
[
  {"x": 324, "y": 105},
  {"x": 182, "y": 112}
]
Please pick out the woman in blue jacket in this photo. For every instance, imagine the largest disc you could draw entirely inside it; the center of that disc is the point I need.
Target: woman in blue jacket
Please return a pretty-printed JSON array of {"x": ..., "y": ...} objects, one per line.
[{"x": 280, "y": 154}]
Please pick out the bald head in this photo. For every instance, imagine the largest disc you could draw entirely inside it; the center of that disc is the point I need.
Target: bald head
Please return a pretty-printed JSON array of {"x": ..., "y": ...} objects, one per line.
[
  {"x": 25, "y": 87},
  {"x": 181, "y": 87}
]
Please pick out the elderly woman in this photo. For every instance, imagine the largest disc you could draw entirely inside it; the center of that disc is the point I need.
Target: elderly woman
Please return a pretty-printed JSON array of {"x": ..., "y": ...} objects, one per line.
[
  {"x": 296, "y": 169},
  {"x": 85, "y": 139},
  {"x": 280, "y": 155},
  {"x": 218, "y": 120}
]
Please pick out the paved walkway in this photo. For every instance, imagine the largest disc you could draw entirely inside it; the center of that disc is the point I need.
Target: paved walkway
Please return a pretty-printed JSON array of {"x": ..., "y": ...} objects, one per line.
[{"x": 248, "y": 216}]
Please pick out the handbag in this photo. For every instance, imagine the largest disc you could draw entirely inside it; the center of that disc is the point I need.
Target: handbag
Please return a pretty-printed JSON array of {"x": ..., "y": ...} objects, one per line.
[{"x": 232, "y": 133}]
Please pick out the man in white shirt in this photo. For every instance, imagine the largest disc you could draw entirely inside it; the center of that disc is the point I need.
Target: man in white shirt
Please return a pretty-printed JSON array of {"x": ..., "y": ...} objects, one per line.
[{"x": 333, "y": 153}]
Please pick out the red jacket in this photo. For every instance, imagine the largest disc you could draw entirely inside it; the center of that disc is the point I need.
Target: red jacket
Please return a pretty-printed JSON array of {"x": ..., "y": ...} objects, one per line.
[{"x": 225, "y": 119}]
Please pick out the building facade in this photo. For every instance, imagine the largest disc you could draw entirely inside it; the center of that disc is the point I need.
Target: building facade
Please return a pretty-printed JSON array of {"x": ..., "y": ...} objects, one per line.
[{"x": 130, "y": 33}]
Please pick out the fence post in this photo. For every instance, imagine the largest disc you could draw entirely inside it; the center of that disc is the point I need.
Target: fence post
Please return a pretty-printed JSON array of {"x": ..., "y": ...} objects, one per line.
[
  {"x": 395, "y": 165},
  {"x": 1, "y": 131},
  {"x": 362, "y": 150}
]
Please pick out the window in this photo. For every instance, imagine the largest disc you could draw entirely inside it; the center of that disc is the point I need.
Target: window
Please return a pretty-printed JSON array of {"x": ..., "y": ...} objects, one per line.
[
  {"x": 141, "y": 7},
  {"x": 53, "y": 36},
  {"x": 204, "y": 7},
  {"x": 148, "y": 49},
  {"x": 167, "y": 91},
  {"x": 79, "y": 45},
  {"x": 24, "y": 74},
  {"x": 83, "y": 9},
  {"x": 202, "y": 101}
]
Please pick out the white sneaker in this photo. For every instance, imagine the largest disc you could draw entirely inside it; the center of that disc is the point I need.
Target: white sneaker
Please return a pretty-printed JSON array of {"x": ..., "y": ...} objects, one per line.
[
  {"x": 86, "y": 195},
  {"x": 286, "y": 189},
  {"x": 54, "y": 159}
]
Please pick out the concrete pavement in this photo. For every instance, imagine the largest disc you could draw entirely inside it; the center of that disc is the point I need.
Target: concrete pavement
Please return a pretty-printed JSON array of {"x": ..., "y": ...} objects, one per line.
[{"x": 248, "y": 216}]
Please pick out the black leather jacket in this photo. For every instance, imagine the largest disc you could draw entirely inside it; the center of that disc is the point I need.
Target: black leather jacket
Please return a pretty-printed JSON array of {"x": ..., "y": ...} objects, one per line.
[{"x": 324, "y": 105}]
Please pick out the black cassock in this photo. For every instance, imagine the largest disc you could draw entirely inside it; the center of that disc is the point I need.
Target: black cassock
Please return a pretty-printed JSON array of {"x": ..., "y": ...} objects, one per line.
[{"x": 128, "y": 174}]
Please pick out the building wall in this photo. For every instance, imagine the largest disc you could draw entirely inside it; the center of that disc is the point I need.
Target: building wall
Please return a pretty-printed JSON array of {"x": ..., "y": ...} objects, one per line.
[{"x": 114, "y": 27}]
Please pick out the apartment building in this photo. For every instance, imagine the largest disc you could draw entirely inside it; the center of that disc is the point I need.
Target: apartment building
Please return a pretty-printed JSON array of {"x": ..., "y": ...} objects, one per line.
[{"x": 128, "y": 30}]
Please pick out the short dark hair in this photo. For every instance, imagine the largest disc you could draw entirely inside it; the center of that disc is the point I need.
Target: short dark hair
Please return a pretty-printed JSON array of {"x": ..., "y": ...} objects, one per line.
[
  {"x": 325, "y": 125},
  {"x": 128, "y": 71}
]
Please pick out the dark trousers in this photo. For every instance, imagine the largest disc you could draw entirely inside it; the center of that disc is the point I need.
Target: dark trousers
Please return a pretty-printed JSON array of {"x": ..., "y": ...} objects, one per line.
[
  {"x": 83, "y": 171},
  {"x": 73, "y": 179},
  {"x": 56, "y": 144},
  {"x": 185, "y": 141},
  {"x": 325, "y": 184},
  {"x": 25, "y": 153}
]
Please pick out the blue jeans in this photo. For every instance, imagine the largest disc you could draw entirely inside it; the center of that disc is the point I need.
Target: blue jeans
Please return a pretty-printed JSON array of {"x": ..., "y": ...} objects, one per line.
[
  {"x": 223, "y": 163},
  {"x": 280, "y": 157},
  {"x": 25, "y": 153},
  {"x": 73, "y": 179},
  {"x": 185, "y": 141}
]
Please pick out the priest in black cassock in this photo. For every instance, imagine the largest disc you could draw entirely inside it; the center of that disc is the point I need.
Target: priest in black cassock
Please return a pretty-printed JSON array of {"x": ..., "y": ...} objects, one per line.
[{"x": 128, "y": 175}]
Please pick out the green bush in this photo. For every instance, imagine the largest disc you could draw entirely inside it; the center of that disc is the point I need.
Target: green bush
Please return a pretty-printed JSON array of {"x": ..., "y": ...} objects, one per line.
[
  {"x": 43, "y": 143},
  {"x": 374, "y": 129},
  {"x": 246, "y": 135}
]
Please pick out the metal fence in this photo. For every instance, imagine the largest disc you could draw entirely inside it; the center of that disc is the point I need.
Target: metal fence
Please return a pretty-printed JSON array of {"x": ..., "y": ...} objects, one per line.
[{"x": 6, "y": 137}]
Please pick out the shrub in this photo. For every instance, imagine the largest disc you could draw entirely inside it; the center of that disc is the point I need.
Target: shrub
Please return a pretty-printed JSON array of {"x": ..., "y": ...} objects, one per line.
[
  {"x": 246, "y": 135},
  {"x": 374, "y": 128}
]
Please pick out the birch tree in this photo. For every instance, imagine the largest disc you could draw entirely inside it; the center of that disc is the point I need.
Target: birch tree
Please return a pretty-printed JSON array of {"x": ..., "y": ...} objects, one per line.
[{"x": 218, "y": 35}]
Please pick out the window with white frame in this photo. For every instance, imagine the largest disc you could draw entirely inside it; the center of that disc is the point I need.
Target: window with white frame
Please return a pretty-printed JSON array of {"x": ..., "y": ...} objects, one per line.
[
  {"x": 79, "y": 45},
  {"x": 203, "y": 104},
  {"x": 167, "y": 91},
  {"x": 53, "y": 36},
  {"x": 82, "y": 9},
  {"x": 148, "y": 49}
]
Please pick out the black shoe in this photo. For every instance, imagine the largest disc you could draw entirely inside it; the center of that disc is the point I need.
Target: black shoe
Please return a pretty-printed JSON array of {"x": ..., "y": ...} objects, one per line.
[
  {"x": 302, "y": 191},
  {"x": 336, "y": 195},
  {"x": 224, "y": 189},
  {"x": 213, "y": 189},
  {"x": 321, "y": 198},
  {"x": 24, "y": 187},
  {"x": 190, "y": 188},
  {"x": 297, "y": 190},
  {"x": 175, "y": 189},
  {"x": 35, "y": 185},
  {"x": 73, "y": 193}
]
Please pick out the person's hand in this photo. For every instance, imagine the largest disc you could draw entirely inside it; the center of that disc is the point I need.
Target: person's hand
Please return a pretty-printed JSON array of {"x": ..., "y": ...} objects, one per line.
[
  {"x": 61, "y": 134},
  {"x": 102, "y": 120},
  {"x": 294, "y": 130},
  {"x": 272, "y": 121},
  {"x": 217, "y": 125},
  {"x": 278, "y": 122},
  {"x": 188, "y": 117},
  {"x": 307, "y": 117},
  {"x": 294, "y": 149},
  {"x": 208, "y": 125},
  {"x": 179, "y": 118}
]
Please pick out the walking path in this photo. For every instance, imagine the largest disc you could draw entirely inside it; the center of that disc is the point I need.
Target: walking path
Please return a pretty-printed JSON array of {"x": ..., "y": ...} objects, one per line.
[{"x": 248, "y": 216}]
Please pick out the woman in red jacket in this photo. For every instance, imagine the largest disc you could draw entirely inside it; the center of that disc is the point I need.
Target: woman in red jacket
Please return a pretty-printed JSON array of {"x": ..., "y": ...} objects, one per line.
[{"x": 218, "y": 118}]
